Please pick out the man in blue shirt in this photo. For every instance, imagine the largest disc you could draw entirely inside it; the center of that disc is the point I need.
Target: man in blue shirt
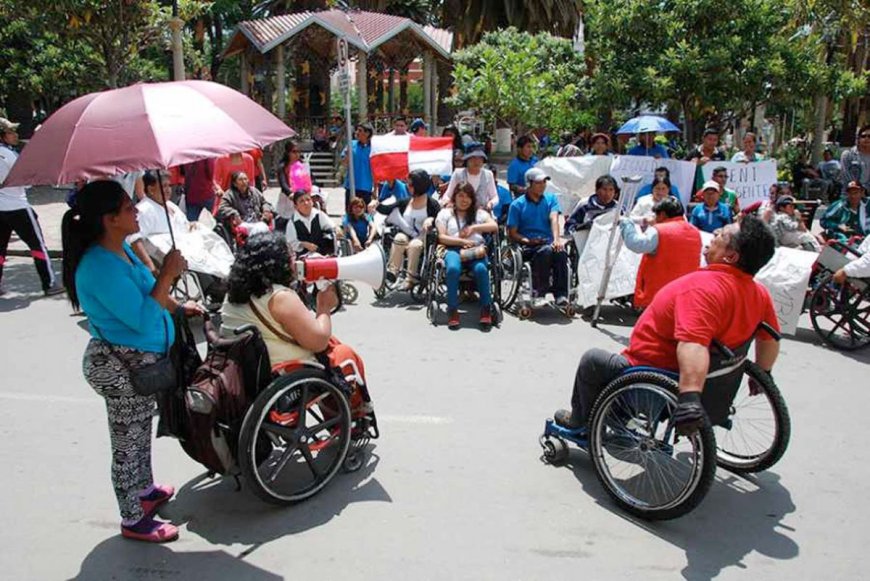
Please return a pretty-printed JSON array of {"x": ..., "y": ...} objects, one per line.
[
  {"x": 533, "y": 223},
  {"x": 523, "y": 162},
  {"x": 712, "y": 214},
  {"x": 393, "y": 188},
  {"x": 362, "y": 168},
  {"x": 648, "y": 146}
]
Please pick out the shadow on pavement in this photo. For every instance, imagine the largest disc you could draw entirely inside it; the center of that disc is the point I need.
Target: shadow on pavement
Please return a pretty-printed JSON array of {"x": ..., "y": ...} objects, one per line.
[
  {"x": 810, "y": 337},
  {"x": 119, "y": 558},
  {"x": 217, "y": 512},
  {"x": 21, "y": 285},
  {"x": 738, "y": 516}
]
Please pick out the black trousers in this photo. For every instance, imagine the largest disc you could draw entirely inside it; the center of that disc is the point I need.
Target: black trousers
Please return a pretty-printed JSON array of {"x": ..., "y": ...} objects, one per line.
[
  {"x": 25, "y": 224},
  {"x": 545, "y": 261},
  {"x": 597, "y": 368}
]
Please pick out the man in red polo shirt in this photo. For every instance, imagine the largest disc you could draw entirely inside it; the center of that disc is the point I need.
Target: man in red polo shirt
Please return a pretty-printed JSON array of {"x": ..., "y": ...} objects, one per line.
[{"x": 675, "y": 332}]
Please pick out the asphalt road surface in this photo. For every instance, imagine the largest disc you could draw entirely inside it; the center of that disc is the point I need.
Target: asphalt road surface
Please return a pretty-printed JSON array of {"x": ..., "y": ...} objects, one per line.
[{"x": 454, "y": 489}]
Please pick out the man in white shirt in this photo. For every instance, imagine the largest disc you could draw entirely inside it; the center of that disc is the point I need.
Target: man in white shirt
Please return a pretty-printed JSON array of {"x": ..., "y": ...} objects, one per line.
[{"x": 16, "y": 214}]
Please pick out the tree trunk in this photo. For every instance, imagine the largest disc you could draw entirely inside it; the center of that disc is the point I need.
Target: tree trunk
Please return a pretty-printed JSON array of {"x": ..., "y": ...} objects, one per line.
[
  {"x": 391, "y": 102},
  {"x": 821, "y": 115},
  {"x": 403, "y": 91}
]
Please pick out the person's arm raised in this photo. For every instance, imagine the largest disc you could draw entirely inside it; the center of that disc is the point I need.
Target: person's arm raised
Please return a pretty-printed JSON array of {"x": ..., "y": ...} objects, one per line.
[{"x": 310, "y": 331}]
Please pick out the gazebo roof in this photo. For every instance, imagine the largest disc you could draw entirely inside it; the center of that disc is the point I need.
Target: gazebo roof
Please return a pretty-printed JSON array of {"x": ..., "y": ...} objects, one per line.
[{"x": 367, "y": 31}]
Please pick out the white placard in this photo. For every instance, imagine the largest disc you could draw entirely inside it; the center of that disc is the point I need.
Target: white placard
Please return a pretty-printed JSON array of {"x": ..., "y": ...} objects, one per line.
[
  {"x": 682, "y": 172},
  {"x": 573, "y": 178},
  {"x": 203, "y": 250},
  {"x": 787, "y": 277},
  {"x": 751, "y": 181},
  {"x": 590, "y": 268}
]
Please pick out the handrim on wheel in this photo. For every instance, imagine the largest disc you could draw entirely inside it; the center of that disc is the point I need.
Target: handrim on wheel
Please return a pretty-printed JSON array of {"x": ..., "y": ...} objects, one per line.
[
  {"x": 638, "y": 458},
  {"x": 295, "y": 437}
]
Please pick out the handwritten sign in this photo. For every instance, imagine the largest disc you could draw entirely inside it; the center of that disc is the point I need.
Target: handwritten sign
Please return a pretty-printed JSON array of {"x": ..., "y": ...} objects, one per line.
[
  {"x": 787, "y": 277},
  {"x": 751, "y": 181},
  {"x": 682, "y": 172},
  {"x": 590, "y": 267}
]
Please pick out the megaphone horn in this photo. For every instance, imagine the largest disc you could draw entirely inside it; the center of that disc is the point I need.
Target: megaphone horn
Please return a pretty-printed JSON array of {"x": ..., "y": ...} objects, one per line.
[{"x": 368, "y": 266}]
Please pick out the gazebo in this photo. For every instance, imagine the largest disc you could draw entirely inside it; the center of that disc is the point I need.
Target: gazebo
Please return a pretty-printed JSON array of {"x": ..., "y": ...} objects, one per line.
[{"x": 379, "y": 45}]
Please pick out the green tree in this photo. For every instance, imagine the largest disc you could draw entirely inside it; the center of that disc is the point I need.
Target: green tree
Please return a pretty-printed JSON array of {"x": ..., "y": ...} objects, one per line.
[
  {"x": 470, "y": 19},
  {"x": 523, "y": 81}
]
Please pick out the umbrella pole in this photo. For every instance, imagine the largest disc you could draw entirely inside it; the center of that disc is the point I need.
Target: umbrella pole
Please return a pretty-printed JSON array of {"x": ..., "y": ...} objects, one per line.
[
  {"x": 166, "y": 209},
  {"x": 626, "y": 201}
]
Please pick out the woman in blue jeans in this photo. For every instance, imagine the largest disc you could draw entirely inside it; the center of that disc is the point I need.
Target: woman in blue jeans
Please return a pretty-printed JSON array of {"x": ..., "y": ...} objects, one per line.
[{"x": 461, "y": 229}]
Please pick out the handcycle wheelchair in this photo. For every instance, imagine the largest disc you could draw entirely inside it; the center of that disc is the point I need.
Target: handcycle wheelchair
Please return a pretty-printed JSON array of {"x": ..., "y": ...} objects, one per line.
[
  {"x": 516, "y": 281},
  {"x": 307, "y": 421},
  {"x": 839, "y": 313},
  {"x": 434, "y": 272},
  {"x": 649, "y": 470}
]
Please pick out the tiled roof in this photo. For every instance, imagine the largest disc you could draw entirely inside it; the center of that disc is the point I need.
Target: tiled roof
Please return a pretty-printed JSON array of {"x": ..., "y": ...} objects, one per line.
[{"x": 364, "y": 30}]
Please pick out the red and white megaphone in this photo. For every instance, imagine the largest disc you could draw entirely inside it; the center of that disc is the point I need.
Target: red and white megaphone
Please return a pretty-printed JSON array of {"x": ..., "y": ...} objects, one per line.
[{"x": 369, "y": 266}]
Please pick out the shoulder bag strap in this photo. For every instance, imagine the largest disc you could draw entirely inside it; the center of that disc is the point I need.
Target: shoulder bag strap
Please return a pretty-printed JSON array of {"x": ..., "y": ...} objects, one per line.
[{"x": 270, "y": 326}]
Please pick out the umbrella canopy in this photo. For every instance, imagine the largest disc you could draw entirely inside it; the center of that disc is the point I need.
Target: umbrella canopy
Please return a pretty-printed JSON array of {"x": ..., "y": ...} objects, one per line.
[
  {"x": 647, "y": 124},
  {"x": 145, "y": 126}
]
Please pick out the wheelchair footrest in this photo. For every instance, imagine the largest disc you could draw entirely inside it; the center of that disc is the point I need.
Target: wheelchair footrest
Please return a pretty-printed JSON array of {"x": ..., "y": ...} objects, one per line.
[{"x": 579, "y": 437}]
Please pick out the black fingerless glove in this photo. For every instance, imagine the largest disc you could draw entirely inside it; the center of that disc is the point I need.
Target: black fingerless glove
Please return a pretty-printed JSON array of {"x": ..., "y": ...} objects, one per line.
[{"x": 690, "y": 414}]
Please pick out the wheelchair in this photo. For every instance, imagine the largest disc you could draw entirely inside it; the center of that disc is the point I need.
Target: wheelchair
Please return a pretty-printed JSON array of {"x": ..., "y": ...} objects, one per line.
[
  {"x": 650, "y": 471},
  {"x": 308, "y": 423},
  {"x": 839, "y": 314},
  {"x": 395, "y": 284},
  {"x": 435, "y": 275},
  {"x": 516, "y": 281}
]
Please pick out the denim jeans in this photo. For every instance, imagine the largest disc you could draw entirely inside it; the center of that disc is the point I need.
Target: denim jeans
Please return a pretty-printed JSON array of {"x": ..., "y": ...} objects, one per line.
[{"x": 479, "y": 271}]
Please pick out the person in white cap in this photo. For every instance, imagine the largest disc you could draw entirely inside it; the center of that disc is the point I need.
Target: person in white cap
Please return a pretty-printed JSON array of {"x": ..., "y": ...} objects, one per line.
[
  {"x": 533, "y": 223},
  {"x": 16, "y": 214},
  {"x": 712, "y": 214}
]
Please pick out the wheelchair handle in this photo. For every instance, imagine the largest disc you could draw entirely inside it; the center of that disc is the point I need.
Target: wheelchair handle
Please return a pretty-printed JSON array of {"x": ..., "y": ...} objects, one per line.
[
  {"x": 723, "y": 349},
  {"x": 249, "y": 328},
  {"x": 770, "y": 331}
]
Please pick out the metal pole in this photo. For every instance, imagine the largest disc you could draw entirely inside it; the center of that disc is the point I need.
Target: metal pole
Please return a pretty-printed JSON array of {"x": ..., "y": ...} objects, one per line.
[
  {"x": 626, "y": 201},
  {"x": 344, "y": 85},
  {"x": 175, "y": 25}
]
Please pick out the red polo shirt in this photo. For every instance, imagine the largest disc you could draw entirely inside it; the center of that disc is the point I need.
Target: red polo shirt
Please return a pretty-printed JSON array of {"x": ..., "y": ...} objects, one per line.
[{"x": 718, "y": 302}]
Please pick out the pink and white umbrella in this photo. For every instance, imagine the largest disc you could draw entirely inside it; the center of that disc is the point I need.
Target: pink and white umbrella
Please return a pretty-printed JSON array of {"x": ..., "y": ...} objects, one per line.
[{"x": 145, "y": 126}]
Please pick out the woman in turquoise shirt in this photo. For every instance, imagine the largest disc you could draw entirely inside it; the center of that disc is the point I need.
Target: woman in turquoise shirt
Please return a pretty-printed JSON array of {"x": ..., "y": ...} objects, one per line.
[{"x": 131, "y": 326}]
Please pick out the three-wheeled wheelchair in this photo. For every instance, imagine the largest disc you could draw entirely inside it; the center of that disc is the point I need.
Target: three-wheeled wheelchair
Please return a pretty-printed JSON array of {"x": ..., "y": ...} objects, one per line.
[
  {"x": 434, "y": 274},
  {"x": 652, "y": 472}
]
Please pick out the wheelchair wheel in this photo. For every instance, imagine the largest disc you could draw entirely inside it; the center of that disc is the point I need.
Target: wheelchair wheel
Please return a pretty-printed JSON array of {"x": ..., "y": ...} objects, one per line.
[
  {"x": 758, "y": 428},
  {"x": 643, "y": 465},
  {"x": 348, "y": 292},
  {"x": 301, "y": 427},
  {"x": 840, "y": 314},
  {"x": 511, "y": 271}
]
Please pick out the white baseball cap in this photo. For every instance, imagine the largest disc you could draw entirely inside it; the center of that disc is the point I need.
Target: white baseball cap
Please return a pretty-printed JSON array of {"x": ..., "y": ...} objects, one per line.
[{"x": 536, "y": 174}]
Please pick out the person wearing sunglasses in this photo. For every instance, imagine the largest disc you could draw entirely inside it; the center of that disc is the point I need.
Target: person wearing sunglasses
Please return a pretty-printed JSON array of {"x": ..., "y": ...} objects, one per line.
[{"x": 855, "y": 162}]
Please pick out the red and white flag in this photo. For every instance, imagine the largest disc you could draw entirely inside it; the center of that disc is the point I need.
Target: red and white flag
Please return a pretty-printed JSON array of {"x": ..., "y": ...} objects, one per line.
[{"x": 394, "y": 156}]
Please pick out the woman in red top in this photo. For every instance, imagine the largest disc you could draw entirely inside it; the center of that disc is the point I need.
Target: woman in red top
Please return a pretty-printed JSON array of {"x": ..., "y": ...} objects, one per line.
[{"x": 675, "y": 332}]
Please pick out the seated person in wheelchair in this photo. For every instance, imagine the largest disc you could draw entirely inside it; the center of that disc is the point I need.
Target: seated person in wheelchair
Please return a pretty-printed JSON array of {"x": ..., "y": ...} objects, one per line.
[
  {"x": 358, "y": 226},
  {"x": 152, "y": 222},
  {"x": 244, "y": 207},
  {"x": 259, "y": 294},
  {"x": 789, "y": 228},
  {"x": 858, "y": 268},
  {"x": 847, "y": 217},
  {"x": 480, "y": 179},
  {"x": 602, "y": 201},
  {"x": 310, "y": 230},
  {"x": 676, "y": 331},
  {"x": 671, "y": 247},
  {"x": 412, "y": 217},
  {"x": 460, "y": 229},
  {"x": 533, "y": 224}
]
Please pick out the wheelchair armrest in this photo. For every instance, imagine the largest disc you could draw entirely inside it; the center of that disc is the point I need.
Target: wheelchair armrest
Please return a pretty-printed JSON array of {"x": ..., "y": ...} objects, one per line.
[
  {"x": 724, "y": 350},
  {"x": 245, "y": 329},
  {"x": 770, "y": 331}
]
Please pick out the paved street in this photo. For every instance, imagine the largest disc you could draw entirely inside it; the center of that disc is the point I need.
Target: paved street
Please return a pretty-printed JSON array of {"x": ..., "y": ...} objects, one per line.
[{"x": 454, "y": 488}]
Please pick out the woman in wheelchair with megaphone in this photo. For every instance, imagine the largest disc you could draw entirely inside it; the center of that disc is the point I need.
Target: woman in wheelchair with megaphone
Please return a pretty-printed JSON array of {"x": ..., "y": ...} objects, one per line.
[{"x": 260, "y": 294}]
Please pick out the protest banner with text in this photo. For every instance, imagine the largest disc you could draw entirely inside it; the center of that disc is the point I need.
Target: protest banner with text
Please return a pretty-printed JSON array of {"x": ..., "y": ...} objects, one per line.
[
  {"x": 682, "y": 172},
  {"x": 751, "y": 181}
]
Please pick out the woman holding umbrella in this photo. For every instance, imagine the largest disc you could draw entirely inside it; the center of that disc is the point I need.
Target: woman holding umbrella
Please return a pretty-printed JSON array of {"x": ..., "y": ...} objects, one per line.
[{"x": 131, "y": 326}]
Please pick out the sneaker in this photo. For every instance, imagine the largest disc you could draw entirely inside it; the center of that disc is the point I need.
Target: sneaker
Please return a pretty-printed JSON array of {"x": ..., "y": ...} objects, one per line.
[
  {"x": 153, "y": 500},
  {"x": 391, "y": 277},
  {"x": 561, "y": 302},
  {"x": 485, "y": 317},
  {"x": 453, "y": 321},
  {"x": 566, "y": 419},
  {"x": 150, "y": 531},
  {"x": 54, "y": 290}
]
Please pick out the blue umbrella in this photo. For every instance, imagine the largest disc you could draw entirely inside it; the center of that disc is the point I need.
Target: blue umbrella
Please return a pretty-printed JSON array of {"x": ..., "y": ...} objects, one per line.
[{"x": 647, "y": 124}]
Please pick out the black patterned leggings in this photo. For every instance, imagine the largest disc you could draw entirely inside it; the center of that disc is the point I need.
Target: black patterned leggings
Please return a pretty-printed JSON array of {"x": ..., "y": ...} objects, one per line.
[{"x": 129, "y": 421}]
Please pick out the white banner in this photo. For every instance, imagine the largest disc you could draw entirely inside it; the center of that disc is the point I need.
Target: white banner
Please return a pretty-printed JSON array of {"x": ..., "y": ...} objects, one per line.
[
  {"x": 590, "y": 269},
  {"x": 682, "y": 172},
  {"x": 573, "y": 178},
  {"x": 751, "y": 181},
  {"x": 203, "y": 249},
  {"x": 787, "y": 277}
]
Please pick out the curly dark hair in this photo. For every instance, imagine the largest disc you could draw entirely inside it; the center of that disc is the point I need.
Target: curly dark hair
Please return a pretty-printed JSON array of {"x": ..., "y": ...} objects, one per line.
[
  {"x": 263, "y": 261},
  {"x": 755, "y": 243}
]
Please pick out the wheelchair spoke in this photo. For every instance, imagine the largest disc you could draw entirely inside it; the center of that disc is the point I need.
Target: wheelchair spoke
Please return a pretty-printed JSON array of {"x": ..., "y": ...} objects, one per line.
[
  {"x": 285, "y": 457},
  {"x": 287, "y": 433},
  {"x": 313, "y": 430},
  {"x": 309, "y": 459}
]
